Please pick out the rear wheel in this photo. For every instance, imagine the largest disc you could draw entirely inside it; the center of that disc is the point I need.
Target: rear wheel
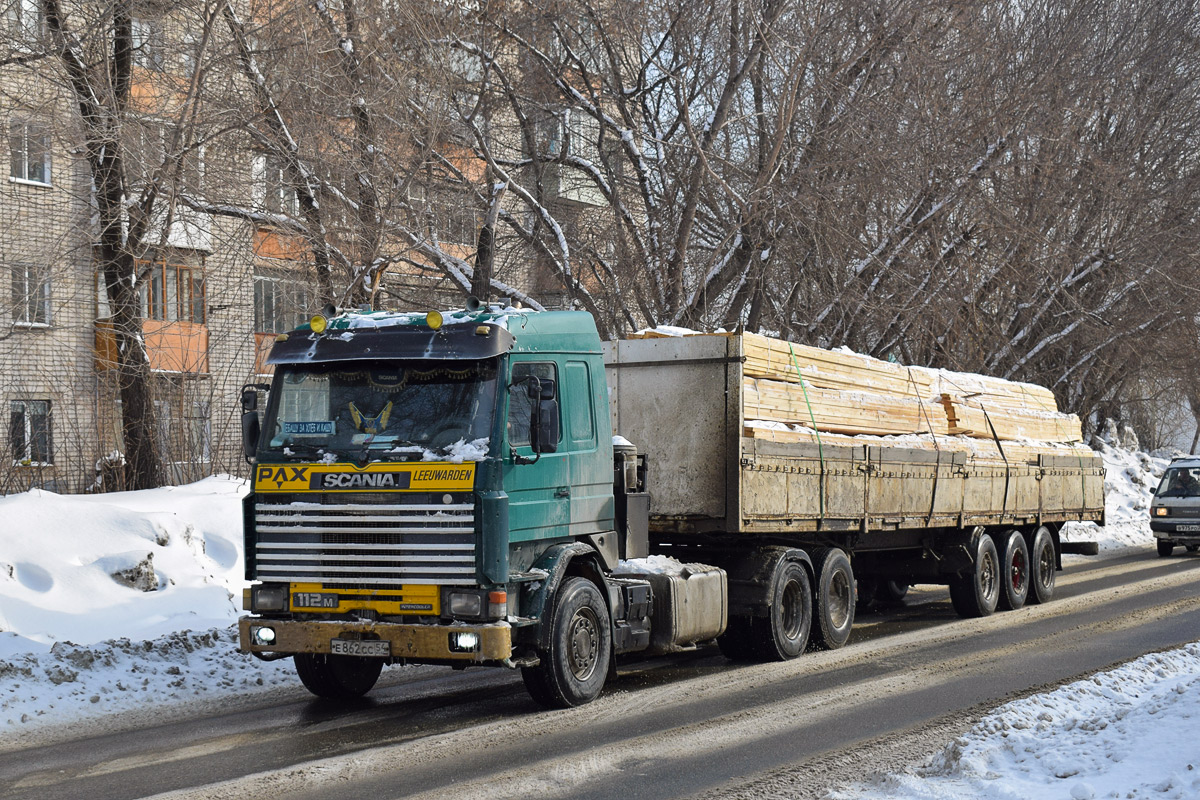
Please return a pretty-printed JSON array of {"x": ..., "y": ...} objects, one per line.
[
  {"x": 1043, "y": 563},
  {"x": 977, "y": 593},
  {"x": 572, "y": 672},
  {"x": 1165, "y": 548},
  {"x": 783, "y": 633},
  {"x": 834, "y": 599},
  {"x": 339, "y": 677},
  {"x": 892, "y": 592},
  {"x": 1014, "y": 571}
]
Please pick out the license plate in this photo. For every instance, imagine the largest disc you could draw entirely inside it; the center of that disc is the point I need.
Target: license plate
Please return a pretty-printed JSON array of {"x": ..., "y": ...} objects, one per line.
[
  {"x": 360, "y": 647},
  {"x": 1187, "y": 528},
  {"x": 314, "y": 600}
]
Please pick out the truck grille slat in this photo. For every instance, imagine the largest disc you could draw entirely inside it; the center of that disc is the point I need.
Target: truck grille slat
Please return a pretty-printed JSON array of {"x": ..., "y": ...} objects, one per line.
[{"x": 368, "y": 543}]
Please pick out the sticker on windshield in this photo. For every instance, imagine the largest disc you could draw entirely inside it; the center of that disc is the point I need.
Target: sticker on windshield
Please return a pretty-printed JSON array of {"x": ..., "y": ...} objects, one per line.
[{"x": 309, "y": 428}]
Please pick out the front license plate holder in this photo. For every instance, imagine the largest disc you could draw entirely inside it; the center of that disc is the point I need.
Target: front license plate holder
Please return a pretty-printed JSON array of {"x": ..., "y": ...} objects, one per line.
[
  {"x": 1187, "y": 528},
  {"x": 375, "y": 648}
]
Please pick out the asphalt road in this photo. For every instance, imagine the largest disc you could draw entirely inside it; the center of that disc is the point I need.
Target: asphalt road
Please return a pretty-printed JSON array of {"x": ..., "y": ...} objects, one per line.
[{"x": 686, "y": 726}]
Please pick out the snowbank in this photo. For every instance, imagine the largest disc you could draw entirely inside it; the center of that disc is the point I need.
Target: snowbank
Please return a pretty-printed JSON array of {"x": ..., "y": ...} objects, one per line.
[{"x": 1129, "y": 732}]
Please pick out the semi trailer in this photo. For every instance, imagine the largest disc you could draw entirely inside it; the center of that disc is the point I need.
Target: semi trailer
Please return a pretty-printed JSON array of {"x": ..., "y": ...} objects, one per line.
[{"x": 496, "y": 486}]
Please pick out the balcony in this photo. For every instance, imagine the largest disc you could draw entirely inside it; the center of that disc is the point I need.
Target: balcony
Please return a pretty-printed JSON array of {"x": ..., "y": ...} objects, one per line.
[
  {"x": 263, "y": 342},
  {"x": 178, "y": 347}
]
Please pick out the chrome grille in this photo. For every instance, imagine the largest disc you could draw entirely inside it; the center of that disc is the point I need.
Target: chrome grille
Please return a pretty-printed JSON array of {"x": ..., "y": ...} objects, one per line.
[{"x": 364, "y": 545}]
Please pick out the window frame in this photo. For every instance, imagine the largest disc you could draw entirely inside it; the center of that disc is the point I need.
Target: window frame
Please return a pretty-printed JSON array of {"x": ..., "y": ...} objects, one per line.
[
  {"x": 28, "y": 433},
  {"x": 32, "y": 295},
  {"x": 20, "y": 131},
  {"x": 286, "y": 290},
  {"x": 168, "y": 286}
]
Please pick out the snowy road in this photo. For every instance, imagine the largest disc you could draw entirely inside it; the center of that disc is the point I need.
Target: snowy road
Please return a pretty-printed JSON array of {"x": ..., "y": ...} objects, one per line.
[{"x": 909, "y": 681}]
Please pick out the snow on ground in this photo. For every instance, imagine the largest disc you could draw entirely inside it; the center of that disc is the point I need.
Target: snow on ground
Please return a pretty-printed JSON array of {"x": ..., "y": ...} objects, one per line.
[
  {"x": 1126, "y": 733},
  {"x": 117, "y": 602}
]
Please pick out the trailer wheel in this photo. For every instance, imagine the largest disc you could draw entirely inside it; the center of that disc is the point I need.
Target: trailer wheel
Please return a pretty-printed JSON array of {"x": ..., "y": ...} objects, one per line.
[
  {"x": 572, "y": 672},
  {"x": 1014, "y": 572},
  {"x": 977, "y": 593},
  {"x": 1165, "y": 548},
  {"x": 834, "y": 598},
  {"x": 783, "y": 633},
  {"x": 1043, "y": 562},
  {"x": 338, "y": 677},
  {"x": 891, "y": 592}
]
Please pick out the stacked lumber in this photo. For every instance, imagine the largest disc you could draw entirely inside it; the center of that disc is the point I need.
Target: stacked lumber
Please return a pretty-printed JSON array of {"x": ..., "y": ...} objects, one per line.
[
  {"x": 844, "y": 393},
  {"x": 850, "y": 412}
]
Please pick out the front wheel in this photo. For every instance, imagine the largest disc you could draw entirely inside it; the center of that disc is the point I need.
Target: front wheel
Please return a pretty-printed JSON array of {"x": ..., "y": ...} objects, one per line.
[
  {"x": 337, "y": 677},
  {"x": 1165, "y": 548},
  {"x": 977, "y": 593},
  {"x": 573, "y": 670}
]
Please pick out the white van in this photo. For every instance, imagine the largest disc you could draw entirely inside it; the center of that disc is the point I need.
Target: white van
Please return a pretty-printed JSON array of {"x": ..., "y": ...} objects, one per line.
[{"x": 1175, "y": 511}]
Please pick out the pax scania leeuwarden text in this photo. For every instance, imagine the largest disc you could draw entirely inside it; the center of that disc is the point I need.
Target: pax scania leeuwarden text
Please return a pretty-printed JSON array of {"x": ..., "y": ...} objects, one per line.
[{"x": 448, "y": 489}]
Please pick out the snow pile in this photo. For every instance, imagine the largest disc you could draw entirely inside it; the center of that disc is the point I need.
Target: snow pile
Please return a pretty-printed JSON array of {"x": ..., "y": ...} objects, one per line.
[
  {"x": 1127, "y": 733},
  {"x": 1130, "y": 479},
  {"x": 86, "y": 568}
]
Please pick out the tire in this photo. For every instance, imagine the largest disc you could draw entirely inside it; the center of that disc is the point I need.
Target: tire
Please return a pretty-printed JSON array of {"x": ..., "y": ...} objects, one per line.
[
  {"x": 891, "y": 593},
  {"x": 977, "y": 593},
  {"x": 833, "y": 599},
  {"x": 737, "y": 642},
  {"x": 1014, "y": 571},
  {"x": 338, "y": 677},
  {"x": 573, "y": 670},
  {"x": 1165, "y": 548},
  {"x": 783, "y": 633},
  {"x": 1043, "y": 562},
  {"x": 868, "y": 593}
]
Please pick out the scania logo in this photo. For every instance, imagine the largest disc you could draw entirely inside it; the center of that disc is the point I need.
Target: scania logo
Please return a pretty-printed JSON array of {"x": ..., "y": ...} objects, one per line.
[{"x": 360, "y": 480}]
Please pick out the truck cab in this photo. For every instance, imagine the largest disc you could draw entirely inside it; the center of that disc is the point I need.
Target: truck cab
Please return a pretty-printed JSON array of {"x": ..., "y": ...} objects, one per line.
[
  {"x": 1175, "y": 510},
  {"x": 439, "y": 489}
]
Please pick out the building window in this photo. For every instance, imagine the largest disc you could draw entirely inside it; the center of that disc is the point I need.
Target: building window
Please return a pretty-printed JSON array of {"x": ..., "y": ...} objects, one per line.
[
  {"x": 172, "y": 292},
  {"x": 30, "y": 295},
  {"x": 29, "y": 432},
  {"x": 24, "y": 20},
  {"x": 29, "y": 148},
  {"x": 273, "y": 188},
  {"x": 148, "y": 49},
  {"x": 280, "y": 303}
]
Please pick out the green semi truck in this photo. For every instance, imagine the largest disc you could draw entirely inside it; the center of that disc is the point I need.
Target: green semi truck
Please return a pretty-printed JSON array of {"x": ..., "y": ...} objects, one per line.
[{"x": 448, "y": 489}]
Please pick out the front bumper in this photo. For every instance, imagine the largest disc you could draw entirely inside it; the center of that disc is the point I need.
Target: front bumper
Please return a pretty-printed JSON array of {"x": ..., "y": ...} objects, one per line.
[{"x": 408, "y": 642}]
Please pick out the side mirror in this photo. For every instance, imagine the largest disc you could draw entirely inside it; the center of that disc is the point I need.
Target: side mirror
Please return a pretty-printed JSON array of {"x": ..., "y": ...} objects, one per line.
[
  {"x": 543, "y": 430},
  {"x": 250, "y": 395},
  {"x": 251, "y": 428}
]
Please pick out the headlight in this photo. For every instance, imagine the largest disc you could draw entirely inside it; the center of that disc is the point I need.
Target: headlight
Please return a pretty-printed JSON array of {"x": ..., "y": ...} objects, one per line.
[
  {"x": 268, "y": 598},
  {"x": 1160, "y": 511},
  {"x": 463, "y": 604}
]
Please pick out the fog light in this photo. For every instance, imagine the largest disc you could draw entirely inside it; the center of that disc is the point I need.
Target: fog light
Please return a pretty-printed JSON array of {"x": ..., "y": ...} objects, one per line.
[
  {"x": 264, "y": 636},
  {"x": 464, "y": 642},
  {"x": 463, "y": 604}
]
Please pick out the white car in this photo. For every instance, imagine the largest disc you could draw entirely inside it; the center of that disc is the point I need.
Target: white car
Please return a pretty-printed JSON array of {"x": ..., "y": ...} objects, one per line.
[{"x": 1175, "y": 511}]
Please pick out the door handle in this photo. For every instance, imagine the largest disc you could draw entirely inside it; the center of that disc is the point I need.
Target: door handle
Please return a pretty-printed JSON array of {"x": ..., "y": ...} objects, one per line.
[{"x": 562, "y": 491}]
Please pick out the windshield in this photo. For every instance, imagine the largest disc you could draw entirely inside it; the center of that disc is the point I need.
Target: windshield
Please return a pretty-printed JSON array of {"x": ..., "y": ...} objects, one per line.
[
  {"x": 416, "y": 410},
  {"x": 1180, "y": 482}
]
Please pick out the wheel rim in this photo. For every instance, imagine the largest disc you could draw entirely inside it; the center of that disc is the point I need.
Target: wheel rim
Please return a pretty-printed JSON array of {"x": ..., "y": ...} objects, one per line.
[
  {"x": 583, "y": 639},
  {"x": 987, "y": 575},
  {"x": 792, "y": 610},
  {"x": 1020, "y": 572},
  {"x": 839, "y": 599},
  {"x": 1046, "y": 566}
]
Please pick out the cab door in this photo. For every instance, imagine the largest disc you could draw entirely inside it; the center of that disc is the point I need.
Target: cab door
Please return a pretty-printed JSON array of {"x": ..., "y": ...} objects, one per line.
[{"x": 538, "y": 485}]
